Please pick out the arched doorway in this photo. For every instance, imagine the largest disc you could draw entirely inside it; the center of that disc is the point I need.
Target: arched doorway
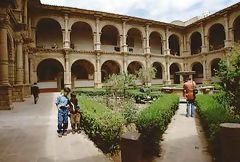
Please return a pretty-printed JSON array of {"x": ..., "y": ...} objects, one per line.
[
  {"x": 155, "y": 42},
  {"x": 159, "y": 72},
  {"x": 216, "y": 37},
  {"x": 198, "y": 76},
  {"x": 82, "y": 74},
  {"x": 134, "y": 41},
  {"x": 49, "y": 34},
  {"x": 50, "y": 74},
  {"x": 174, "y": 45},
  {"x": 175, "y": 79},
  {"x": 236, "y": 29},
  {"x": 134, "y": 67},
  {"x": 108, "y": 68},
  {"x": 81, "y": 36},
  {"x": 214, "y": 66},
  {"x": 110, "y": 39},
  {"x": 196, "y": 43}
]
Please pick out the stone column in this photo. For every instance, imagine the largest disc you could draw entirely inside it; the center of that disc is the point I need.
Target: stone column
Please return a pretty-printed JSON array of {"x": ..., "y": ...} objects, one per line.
[
  {"x": 167, "y": 73},
  {"x": 147, "y": 46},
  {"x": 33, "y": 36},
  {"x": 5, "y": 88},
  {"x": 227, "y": 41},
  {"x": 166, "y": 50},
  {"x": 186, "y": 45},
  {"x": 27, "y": 89},
  {"x": 33, "y": 73},
  {"x": 125, "y": 63},
  {"x": 148, "y": 66},
  {"x": 97, "y": 78},
  {"x": 67, "y": 72},
  {"x": 19, "y": 79},
  {"x": 204, "y": 46},
  {"x": 97, "y": 33},
  {"x": 18, "y": 89},
  {"x": 124, "y": 38},
  {"x": 4, "y": 56},
  {"x": 26, "y": 68},
  {"x": 66, "y": 33}
]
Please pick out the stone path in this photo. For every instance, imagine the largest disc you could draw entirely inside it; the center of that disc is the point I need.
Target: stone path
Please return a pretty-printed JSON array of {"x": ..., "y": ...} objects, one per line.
[
  {"x": 184, "y": 140},
  {"x": 28, "y": 134}
]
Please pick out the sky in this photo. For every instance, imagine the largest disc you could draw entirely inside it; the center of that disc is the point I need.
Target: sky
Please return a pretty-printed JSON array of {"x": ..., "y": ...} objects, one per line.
[{"x": 160, "y": 10}]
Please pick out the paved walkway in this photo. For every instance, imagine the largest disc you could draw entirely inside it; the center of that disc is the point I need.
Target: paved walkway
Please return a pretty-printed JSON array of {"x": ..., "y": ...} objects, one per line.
[
  {"x": 184, "y": 140},
  {"x": 28, "y": 134}
]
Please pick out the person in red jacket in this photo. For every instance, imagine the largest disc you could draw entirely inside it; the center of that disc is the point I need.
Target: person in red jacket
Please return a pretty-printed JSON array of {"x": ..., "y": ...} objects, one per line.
[{"x": 188, "y": 93}]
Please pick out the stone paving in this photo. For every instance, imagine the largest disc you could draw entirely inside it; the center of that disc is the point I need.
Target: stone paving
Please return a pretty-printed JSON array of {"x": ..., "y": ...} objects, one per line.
[
  {"x": 184, "y": 140},
  {"x": 28, "y": 134}
]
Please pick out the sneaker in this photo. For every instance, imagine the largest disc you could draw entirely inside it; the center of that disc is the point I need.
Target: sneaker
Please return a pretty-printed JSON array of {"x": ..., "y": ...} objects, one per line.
[
  {"x": 64, "y": 133},
  {"x": 79, "y": 131},
  {"x": 73, "y": 131},
  {"x": 59, "y": 134},
  {"x": 187, "y": 115}
]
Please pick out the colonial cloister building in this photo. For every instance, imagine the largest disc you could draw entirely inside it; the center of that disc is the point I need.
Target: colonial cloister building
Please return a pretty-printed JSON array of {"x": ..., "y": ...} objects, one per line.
[{"x": 62, "y": 46}]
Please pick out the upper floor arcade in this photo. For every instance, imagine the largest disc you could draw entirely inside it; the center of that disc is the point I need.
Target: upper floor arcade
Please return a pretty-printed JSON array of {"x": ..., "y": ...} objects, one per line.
[{"x": 55, "y": 27}]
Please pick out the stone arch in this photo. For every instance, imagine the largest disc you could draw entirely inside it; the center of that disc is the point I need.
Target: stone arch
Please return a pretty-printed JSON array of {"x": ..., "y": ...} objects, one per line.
[
  {"x": 236, "y": 29},
  {"x": 135, "y": 40},
  {"x": 83, "y": 70},
  {"x": 155, "y": 42},
  {"x": 82, "y": 73},
  {"x": 49, "y": 34},
  {"x": 175, "y": 67},
  {"x": 216, "y": 37},
  {"x": 81, "y": 36},
  {"x": 110, "y": 38},
  {"x": 55, "y": 18},
  {"x": 134, "y": 67},
  {"x": 198, "y": 76},
  {"x": 50, "y": 74},
  {"x": 174, "y": 45},
  {"x": 214, "y": 66},
  {"x": 196, "y": 43},
  {"x": 108, "y": 68},
  {"x": 159, "y": 70}
]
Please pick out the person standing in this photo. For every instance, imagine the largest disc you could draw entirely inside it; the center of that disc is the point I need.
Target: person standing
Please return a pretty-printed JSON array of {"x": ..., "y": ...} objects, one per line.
[
  {"x": 35, "y": 92},
  {"x": 74, "y": 114},
  {"x": 188, "y": 93},
  {"x": 63, "y": 103}
]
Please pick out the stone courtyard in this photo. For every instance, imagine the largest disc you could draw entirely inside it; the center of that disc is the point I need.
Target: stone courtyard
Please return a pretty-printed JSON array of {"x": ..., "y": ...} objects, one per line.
[{"x": 28, "y": 134}]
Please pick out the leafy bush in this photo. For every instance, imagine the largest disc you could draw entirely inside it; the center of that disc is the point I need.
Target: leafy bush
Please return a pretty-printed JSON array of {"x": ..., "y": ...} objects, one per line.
[
  {"x": 102, "y": 125},
  {"x": 213, "y": 113},
  {"x": 153, "y": 121},
  {"x": 129, "y": 111}
]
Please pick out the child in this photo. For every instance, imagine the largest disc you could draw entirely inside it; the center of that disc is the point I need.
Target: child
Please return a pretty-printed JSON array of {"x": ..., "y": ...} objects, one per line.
[
  {"x": 62, "y": 104},
  {"x": 74, "y": 114}
]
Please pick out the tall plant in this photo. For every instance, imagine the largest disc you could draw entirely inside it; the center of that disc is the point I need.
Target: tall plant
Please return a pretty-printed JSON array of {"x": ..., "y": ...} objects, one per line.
[
  {"x": 229, "y": 74},
  {"x": 146, "y": 75}
]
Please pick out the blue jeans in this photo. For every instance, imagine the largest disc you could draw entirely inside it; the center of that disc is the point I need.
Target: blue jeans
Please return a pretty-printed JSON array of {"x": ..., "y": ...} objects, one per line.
[
  {"x": 190, "y": 108},
  {"x": 62, "y": 119}
]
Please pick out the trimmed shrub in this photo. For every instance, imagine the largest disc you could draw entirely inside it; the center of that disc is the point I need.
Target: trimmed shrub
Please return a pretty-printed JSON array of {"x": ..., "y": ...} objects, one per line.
[
  {"x": 153, "y": 121},
  {"x": 91, "y": 91},
  {"x": 103, "y": 126},
  {"x": 212, "y": 114}
]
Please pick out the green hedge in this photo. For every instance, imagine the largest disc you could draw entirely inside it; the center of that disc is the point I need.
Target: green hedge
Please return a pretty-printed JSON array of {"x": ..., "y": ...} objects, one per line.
[
  {"x": 91, "y": 91},
  {"x": 153, "y": 121},
  {"x": 212, "y": 114},
  {"x": 102, "y": 125}
]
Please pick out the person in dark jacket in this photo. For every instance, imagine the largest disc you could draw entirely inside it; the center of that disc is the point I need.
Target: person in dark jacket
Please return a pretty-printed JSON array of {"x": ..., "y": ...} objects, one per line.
[
  {"x": 74, "y": 114},
  {"x": 35, "y": 92}
]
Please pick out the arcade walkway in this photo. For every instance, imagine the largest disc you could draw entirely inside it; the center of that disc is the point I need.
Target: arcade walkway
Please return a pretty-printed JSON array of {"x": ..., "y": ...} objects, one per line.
[{"x": 28, "y": 134}]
